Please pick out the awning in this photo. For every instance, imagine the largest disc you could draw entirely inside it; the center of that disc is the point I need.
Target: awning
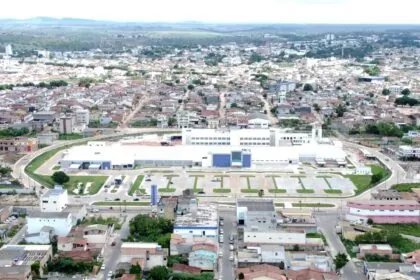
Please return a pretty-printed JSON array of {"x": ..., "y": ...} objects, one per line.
[{"x": 75, "y": 165}]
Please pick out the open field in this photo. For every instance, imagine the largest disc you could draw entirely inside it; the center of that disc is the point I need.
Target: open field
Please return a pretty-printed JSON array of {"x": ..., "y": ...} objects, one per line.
[
  {"x": 96, "y": 183},
  {"x": 136, "y": 185}
]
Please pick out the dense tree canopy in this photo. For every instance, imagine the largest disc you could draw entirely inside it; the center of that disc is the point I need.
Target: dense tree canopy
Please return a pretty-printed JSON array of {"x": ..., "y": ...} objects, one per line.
[
  {"x": 340, "y": 260},
  {"x": 149, "y": 229},
  {"x": 60, "y": 177}
]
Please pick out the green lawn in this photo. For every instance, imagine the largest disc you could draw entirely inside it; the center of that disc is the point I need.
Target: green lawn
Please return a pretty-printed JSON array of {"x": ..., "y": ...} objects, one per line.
[
  {"x": 136, "y": 185},
  {"x": 122, "y": 203},
  {"x": 244, "y": 176},
  {"x": 333, "y": 191},
  {"x": 249, "y": 191},
  {"x": 197, "y": 190},
  {"x": 166, "y": 190},
  {"x": 96, "y": 182},
  {"x": 57, "y": 167},
  {"x": 323, "y": 205},
  {"x": 348, "y": 244},
  {"x": 221, "y": 190},
  {"x": 276, "y": 190},
  {"x": 409, "y": 229},
  {"x": 406, "y": 187},
  {"x": 279, "y": 204},
  {"x": 72, "y": 136},
  {"x": 305, "y": 190},
  {"x": 363, "y": 182}
]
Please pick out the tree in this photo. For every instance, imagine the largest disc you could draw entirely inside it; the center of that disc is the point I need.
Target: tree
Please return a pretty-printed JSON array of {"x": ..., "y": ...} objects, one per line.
[
  {"x": 241, "y": 275},
  {"x": 159, "y": 272},
  {"x": 316, "y": 107},
  {"x": 135, "y": 269},
  {"x": 405, "y": 100},
  {"x": 60, "y": 177},
  {"x": 405, "y": 92},
  {"x": 340, "y": 110},
  {"x": 233, "y": 105},
  {"x": 369, "y": 221},
  {"x": 5, "y": 171},
  {"x": 296, "y": 247},
  {"x": 260, "y": 193},
  {"x": 308, "y": 87},
  {"x": 35, "y": 268},
  {"x": 385, "y": 91},
  {"x": 376, "y": 178},
  {"x": 190, "y": 87},
  {"x": 340, "y": 261}
]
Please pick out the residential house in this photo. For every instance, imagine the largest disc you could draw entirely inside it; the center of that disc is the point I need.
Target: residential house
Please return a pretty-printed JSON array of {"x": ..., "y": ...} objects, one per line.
[
  {"x": 60, "y": 222},
  {"x": 183, "y": 268},
  {"x": 16, "y": 272},
  {"x": 311, "y": 274},
  {"x": 23, "y": 256},
  {"x": 260, "y": 271},
  {"x": 203, "y": 256},
  {"x": 18, "y": 145},
  {"x": 54, "y": 200},
  {"x": 147, "y": 255}
]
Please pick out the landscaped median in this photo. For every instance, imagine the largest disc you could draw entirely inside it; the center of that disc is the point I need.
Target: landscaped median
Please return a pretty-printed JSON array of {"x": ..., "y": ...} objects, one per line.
[
  {"x": 313, "y": 205},
  {"x": 92, "y": 184},
  {"x": 122, "y": 203},
  {"x": 136, "y": 186}
]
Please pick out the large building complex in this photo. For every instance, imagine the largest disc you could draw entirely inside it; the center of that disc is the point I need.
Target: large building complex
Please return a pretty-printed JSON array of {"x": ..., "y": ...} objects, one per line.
[
  {"x": 384, "y": 211},
  {"x": 247, "y": 148}
]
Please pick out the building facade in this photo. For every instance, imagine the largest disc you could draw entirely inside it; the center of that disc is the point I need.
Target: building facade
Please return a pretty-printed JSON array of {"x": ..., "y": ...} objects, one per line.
[
  {"x": 61, "y": 222},
  {"x": 384, "y": 211},
  {"x": 54, "y": 200}
]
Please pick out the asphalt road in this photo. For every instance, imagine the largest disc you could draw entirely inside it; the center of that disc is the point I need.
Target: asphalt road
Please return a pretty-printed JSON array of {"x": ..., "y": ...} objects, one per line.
[
  {"x": 112, "y": 253},
  {"x": 225, "y": 265},
  {"x": 326, "y": 223},
  {"x": 18, "y": 236}
]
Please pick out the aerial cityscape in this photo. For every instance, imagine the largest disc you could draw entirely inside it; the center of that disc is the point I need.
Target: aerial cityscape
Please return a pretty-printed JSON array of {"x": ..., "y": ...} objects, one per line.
[{"x": 191, "y": 145}]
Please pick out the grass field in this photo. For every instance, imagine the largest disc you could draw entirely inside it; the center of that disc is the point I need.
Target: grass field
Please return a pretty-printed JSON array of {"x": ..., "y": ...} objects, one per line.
[
  {"x": 96, "y": 182},
  {"x": 166, "y": 190},
  {"x": 279, "y": 204},
  {"x": 405, "y": 187},
  {"x": 221, "y": 190},
  {"x": 277, "y": 191},
  {"x": 73, "y": 136},
  {"x": 408, "y": 229},
  {"x": 363, "y": 182},
  {"x": 322, "y": 205},
  {"x": 249, "y": 191},
  {"x": 57, "y": 167},
  {"x": 122, "y": 203},
  {"x": 136, "y": 185},
  {"x": 333, "y": 191},
  {"x": 305, "y": 191}
]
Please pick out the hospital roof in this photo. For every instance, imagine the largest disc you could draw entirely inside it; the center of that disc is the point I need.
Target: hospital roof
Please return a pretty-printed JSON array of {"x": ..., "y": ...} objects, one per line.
[{"x": 121, "y": 154}]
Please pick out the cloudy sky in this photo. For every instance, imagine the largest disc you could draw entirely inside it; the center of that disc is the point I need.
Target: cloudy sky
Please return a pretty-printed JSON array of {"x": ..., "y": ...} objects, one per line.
[{"x": 221, "y": 11}]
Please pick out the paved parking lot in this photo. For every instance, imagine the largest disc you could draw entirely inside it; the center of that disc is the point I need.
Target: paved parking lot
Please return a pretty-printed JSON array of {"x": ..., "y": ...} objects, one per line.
[
  {"x": 316, "y": 184},
  {"x": 344, "y": 184},
  {"x": 235, "y": 182}
]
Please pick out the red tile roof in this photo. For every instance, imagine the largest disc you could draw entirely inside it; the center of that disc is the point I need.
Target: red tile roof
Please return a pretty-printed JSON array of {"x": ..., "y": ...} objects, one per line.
[{"x": 179, "y": 267}]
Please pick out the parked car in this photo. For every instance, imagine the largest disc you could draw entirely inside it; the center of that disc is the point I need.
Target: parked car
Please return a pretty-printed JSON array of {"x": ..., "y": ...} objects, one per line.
[
  {"x": 135, "y": 199},
  {"x": 201, "y": 192},
  {"x": 148, "y": 180},
  {"x": 103, "y": 267},
  {"x": 231, "y": 258},
  {"x": 117, "y": 199},
  {"x": 231, "y": 248}
]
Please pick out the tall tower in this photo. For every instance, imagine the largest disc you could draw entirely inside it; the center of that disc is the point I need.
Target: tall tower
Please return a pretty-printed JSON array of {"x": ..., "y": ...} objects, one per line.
[
  {"x": 8, "y": 50},
  {"x": 154, "y": 197}
]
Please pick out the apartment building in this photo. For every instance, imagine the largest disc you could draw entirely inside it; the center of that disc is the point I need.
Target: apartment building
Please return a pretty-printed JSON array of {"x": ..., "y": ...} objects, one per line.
[
  {"x": 54, "y": 200},
  {"x": 18, "y": 145}
]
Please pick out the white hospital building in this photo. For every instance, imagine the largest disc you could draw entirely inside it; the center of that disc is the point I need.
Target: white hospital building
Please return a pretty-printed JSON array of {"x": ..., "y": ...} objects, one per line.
[{"x": 209, "y": 148}]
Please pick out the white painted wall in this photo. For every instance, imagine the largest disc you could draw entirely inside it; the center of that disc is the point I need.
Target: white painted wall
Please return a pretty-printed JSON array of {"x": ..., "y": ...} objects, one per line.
[{"x": 62, "y": 226}]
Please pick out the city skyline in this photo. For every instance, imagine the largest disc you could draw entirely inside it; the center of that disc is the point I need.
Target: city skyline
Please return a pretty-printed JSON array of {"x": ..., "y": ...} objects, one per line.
[{"x": 218, "y": 11}]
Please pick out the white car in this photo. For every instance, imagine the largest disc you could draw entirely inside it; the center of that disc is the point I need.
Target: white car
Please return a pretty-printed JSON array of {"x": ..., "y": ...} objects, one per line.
[
  {"x": 220, "y": 253},
  {"x": 231, "y": 248},
  {"x": 103, "y": 267},
  {"x": 231, "y": 258},
  {"x": 110, "y": 273}
]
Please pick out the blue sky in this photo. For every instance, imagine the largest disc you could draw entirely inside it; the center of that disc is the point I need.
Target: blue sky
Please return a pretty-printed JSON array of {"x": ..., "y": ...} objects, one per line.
[{"x": 229, "y": 11}]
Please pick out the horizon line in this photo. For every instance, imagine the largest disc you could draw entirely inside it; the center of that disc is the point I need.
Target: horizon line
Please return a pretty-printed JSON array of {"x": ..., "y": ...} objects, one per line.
[{"x": 198, "y": 22}]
